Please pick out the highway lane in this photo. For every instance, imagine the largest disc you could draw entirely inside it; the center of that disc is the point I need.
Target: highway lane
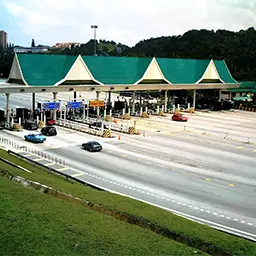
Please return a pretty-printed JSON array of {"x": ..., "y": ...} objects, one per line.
[
  {"x": 238, "y": 125},
  {"x": 174, "y": 168}
]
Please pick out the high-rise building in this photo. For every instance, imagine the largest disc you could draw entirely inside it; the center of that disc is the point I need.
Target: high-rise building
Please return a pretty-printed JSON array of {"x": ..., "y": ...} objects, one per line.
[{"x": 3, "y": 39}]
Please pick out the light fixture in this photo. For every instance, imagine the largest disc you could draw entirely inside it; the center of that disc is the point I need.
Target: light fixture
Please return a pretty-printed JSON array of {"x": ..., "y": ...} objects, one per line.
[
  {"x": 71, "y": 89},
  {"x": 112, "y": 88},
  {"x": 43, "y": 90},
  {"x": 22, "y": 90},
  {"x": 92, "y": 88}
]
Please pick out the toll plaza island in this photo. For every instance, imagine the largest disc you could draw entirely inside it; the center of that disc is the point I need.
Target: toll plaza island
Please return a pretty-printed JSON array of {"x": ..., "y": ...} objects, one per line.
[{"x": 167, "y": 79}]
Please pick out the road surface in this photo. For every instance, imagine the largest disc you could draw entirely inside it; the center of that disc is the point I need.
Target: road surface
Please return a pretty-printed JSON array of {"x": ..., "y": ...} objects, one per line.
[{"x": 204, "y": 178}]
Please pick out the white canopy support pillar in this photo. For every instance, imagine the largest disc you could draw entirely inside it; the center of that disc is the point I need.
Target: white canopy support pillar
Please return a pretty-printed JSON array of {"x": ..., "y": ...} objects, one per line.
[
  {"x": 98, "y": 97},
  {"x": 33, "y": 104},
  {"x": 194, "y": 100},
  {"x": 54, "y": 100},
  {"x": 219, "y": 98},
  {"x": 165, "y": 100},
  {"x": 133, "y": 102},
  {"x": 8, "y": 108}
]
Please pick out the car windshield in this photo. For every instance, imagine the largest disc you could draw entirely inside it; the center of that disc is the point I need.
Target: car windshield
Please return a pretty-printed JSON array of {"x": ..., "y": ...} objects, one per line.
[{"x": 96, "y": 144}]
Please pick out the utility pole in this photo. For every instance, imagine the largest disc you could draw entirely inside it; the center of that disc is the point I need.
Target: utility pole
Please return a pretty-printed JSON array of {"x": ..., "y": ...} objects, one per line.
[{"x": 94, "y": 27}]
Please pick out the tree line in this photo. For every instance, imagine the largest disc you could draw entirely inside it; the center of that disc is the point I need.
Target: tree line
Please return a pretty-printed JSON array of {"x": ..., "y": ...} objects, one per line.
[{"x": 238, "y": 49}]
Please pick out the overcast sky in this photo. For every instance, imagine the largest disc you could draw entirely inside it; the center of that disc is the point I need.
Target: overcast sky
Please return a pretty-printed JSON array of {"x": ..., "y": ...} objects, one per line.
[{"x": 125, "y": 21}]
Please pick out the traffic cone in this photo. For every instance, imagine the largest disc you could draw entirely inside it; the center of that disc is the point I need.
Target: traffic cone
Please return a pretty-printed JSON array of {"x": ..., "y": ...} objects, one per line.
[{"x": 119, "y": 137}]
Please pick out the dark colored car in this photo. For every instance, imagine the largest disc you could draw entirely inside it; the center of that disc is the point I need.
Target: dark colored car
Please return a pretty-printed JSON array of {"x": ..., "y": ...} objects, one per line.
[
  {"x": 97, "y": 125},
  {"x": 30, "y": 125},
  {"x": 92, "y": 146},
  {"x": 49, "y": 131},
  {"x": 180, "y": 118}
]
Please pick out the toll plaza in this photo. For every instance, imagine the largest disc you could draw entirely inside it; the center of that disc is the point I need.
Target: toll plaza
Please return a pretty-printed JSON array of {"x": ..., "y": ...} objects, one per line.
[{"x": 167, "y": 78}]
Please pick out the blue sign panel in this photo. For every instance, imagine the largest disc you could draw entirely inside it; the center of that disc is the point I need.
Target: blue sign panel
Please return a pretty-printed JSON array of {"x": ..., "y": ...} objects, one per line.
[
  {"x": 51, "y": 105},
  {"x": 75, "y": 104}
]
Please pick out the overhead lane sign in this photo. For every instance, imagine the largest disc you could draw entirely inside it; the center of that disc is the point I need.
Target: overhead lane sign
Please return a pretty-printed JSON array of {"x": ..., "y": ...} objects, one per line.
[
  {"x": 97, "y": 103},
  {"x": 75, "y": 104},
  {"x": 51, "y": 105}
]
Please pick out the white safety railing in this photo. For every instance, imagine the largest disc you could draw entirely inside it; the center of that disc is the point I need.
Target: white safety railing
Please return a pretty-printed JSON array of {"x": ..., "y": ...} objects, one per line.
[
  {"x": 120, "y": 127},
  {"x": 22, "y": 147},
  {"x": 79, "y": 127}
]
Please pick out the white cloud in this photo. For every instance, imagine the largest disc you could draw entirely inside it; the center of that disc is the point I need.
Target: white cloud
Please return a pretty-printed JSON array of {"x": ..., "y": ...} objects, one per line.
[{"x": 51, "y": 21}]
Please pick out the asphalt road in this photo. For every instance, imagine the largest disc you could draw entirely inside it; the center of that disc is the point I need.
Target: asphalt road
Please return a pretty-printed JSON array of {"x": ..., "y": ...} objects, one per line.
[
  {"x": 211, "y": 180},
  {"x": 203, "y": 177}
]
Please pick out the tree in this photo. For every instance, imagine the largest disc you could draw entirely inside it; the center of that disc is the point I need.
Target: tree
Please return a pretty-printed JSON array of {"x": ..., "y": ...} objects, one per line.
[{"x": 33, "y": 43}]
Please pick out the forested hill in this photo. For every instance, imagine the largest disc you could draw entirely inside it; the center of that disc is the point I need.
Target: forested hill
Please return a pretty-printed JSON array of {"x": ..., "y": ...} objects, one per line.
[{"x": 238, "y": 49}]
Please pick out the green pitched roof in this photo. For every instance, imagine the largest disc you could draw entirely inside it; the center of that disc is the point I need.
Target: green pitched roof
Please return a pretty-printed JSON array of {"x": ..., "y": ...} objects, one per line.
[
  {"x": 245, "y": 86},
  {"x": 44, "y": 69},
  {"x": 224, "y": 72},
  {"x": 117, "y": 70},
  {"x": 182, "y": 71}
]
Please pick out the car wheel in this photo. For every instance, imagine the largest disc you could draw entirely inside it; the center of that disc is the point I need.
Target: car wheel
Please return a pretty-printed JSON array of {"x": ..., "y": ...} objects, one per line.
[{"x": 90, "y": 149}]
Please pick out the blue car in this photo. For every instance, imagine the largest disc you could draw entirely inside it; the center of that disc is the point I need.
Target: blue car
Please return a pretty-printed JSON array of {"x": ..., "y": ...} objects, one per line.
[{"x": 35, "y": 137}]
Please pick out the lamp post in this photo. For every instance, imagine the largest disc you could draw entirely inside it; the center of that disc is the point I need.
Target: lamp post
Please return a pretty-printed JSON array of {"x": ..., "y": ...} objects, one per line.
[{"x": 94, "y": 27}]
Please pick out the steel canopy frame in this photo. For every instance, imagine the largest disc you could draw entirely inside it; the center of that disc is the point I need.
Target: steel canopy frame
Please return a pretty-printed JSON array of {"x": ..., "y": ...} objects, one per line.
[{"x": 17, "y": 88}]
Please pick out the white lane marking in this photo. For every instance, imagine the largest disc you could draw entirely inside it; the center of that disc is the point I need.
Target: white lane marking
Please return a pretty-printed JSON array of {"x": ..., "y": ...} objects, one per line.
[{"x": 79, "y": 173}]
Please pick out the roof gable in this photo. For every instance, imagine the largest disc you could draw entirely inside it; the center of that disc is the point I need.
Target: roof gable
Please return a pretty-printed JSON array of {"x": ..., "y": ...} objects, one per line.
[
  {"x": 44, "y": 69},
  {"x": 211, "y": 74},
  {"x": 15, "y": 73},
  {"x": 117, "y": 70},
  {"x": 79, "y": 72},
  {"x": 153, "y": 73},
  {"x": 182, "y": 71}
]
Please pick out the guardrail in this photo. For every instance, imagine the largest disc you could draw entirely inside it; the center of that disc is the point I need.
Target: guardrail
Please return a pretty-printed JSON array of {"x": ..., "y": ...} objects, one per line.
[
  {"x": 67, "y": 176},
  {"x": 27, "y": 149},
  {"x": 123, "y": 127},
  {"x": 80, "y": 127}
]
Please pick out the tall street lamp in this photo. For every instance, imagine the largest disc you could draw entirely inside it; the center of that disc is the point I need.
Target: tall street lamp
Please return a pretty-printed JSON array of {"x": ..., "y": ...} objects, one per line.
[{"x": 94, "y": 27}]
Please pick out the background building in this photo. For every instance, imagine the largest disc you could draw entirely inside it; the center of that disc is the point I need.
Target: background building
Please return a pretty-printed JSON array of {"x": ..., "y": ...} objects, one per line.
[
  {"x": 36, "y": 49},
  {"x": 64, "y": 45},
  {"x": 3, "y": 39}
]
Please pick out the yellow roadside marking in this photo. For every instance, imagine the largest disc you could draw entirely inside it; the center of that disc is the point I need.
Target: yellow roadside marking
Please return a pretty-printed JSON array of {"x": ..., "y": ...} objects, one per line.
[
  {"x": 123, "y": 155},
  {"x": 254, "y": 151},
  {"x": 78, "y": 174},
  {"x": 240, "y": 147},
  {"x": 38, "y": 159},
  {"x": 208, "y": 179},
  {"x": 231, "y": 185},
  {"x": 50, "y": 164},
  {"x": 28, "y": 155},
  {"x": 63, "y": 169}
]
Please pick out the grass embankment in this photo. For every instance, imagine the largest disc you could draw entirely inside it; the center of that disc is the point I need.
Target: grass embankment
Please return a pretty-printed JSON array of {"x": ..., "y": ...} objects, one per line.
[
  {"x": 199, "y": 236},
  {"x": 36, "y": 224}
]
